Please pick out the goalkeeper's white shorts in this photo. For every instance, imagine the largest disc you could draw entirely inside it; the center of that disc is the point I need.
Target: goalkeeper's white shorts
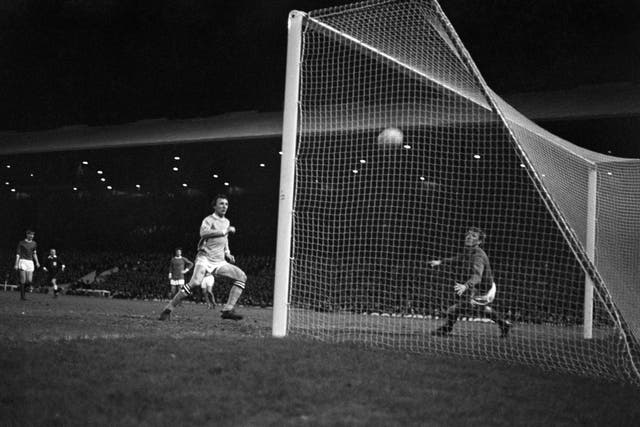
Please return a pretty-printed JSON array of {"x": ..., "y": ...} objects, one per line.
[{"x": 485, "y": 299}]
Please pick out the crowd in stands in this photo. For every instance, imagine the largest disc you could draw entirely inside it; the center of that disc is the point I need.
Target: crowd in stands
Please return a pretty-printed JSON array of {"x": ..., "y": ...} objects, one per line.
[{"x": 145, "y": 276}]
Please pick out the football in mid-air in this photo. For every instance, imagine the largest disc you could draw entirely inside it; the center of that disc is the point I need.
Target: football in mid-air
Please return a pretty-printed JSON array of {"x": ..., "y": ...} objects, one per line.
[{"x": 390, "y": 137}]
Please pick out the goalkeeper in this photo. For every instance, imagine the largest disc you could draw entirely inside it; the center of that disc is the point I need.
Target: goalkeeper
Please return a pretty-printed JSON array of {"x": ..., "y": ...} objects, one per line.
[{"x": 479, "y": 291}]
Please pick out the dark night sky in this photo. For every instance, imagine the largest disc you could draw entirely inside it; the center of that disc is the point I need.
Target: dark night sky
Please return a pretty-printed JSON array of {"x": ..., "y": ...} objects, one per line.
[
  {"x": 108, "y": 62},
  {"x": 66, "y": 62}
]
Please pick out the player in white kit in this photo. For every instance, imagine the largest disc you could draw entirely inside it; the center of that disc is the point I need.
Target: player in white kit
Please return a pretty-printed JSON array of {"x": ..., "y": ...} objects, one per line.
[
  {"x": 207, "y": 290},
  {"x": 214, "y": 256}
]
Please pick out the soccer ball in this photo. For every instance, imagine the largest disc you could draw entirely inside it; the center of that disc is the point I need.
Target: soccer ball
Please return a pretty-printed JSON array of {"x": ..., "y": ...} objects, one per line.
[{"x": 391, "y": 138}]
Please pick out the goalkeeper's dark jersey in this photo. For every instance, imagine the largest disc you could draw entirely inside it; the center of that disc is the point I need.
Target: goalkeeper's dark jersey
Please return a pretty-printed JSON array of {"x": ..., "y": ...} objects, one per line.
[
  {"x": 475, "y": 270},
  {"x": 480, "y": 275}
]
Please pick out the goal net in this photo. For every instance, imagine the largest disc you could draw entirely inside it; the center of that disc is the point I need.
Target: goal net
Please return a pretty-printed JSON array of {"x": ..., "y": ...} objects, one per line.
[{"x": 367, "y": 214}]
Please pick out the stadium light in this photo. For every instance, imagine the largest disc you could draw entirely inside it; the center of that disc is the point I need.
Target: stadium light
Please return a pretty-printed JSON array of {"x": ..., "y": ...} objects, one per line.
[
  {"x": 138, "y": 186},
  {"x": 175, "y": 169},
  {"x": 8, "y": 166},
  {"x": 176, "y": 157},
  {"x": 262, "y": 165},
  {"x": 355, "y": 171},
  {"x": 226, "y": 184},
  {"x": 7, "y": 183},
  {"x": 109, "y": 187},
  {"x": 406, "y": 147},
  {"x": 75, "y": 188},
  {"x": 215, "y": 175},
  {"x": 363, "y": 161},
  {"x": 103, "y": 179},
  {"x": 184, "y": 184},
  {"x": 476, "y": 156},
  {"x": 13, "y": 190},
  {"x": 99, "y": 172},
  {"x": 84, "y": 162}
]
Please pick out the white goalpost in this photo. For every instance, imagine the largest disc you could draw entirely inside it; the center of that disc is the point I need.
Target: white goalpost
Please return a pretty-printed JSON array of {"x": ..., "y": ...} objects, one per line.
[
  {"x": 393, "y": 145},
  {"x": 590, "y": 251},
  {"x": 287, "y": 170}
]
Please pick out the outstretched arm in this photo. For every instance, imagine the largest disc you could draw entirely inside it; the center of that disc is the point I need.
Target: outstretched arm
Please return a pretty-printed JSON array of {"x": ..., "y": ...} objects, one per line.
[{"x": 437, "y": 262}]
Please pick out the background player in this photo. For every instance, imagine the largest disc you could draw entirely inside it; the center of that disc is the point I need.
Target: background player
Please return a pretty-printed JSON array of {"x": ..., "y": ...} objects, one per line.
[
  {"x": 214, "y": 256},
  {"x": 178, "y": 267},
  {"x": 479, "y": 291},
  {"x": 207, "y": 290},
  {"x": 26, "y": 261},
  {"x": 53, "y": 266}
]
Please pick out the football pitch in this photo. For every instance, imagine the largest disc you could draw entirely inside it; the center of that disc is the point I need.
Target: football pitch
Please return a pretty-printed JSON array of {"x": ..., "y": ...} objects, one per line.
[{"x": 98, "y": 361}]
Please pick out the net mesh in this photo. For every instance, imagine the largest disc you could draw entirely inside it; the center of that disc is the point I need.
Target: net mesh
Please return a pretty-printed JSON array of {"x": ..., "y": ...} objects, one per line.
[{"x": 369, "y": 215}]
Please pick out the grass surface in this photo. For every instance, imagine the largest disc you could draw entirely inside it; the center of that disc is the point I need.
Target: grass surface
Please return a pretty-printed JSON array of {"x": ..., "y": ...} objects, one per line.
[{"x": 92, "y": 361}]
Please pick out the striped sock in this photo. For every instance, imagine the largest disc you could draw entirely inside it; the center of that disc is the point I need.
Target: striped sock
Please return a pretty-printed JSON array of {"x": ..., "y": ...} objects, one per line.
[
  {"x": 177, "y": 299},
  {"x": 234, "y": 295}
]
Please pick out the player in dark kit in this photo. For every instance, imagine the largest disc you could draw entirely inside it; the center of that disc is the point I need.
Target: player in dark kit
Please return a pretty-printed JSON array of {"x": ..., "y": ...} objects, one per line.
[
  {"x": 26, "y": 261},
  {"x": 479, "y": 291},
  {"x": 177, "y": 269},
  {"x": 53, "y": 266}
]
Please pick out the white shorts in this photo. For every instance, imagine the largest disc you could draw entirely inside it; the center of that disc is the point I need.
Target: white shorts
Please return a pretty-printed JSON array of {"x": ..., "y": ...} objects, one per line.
[
  {"x": 208, "y": 265},
  {"x": 224, "y": 269},
  {"x": 177, "y": 282},
  {"x": 26, "y": 265},
  {"x": 485, "y": 299},
  {"x": 207, "y": 282}
]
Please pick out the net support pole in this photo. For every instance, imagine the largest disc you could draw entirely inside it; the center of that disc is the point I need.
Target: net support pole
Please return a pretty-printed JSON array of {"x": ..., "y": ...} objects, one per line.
[
  {"x": 591, "y": 252},
  {"x": 287, "y": 174}
]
